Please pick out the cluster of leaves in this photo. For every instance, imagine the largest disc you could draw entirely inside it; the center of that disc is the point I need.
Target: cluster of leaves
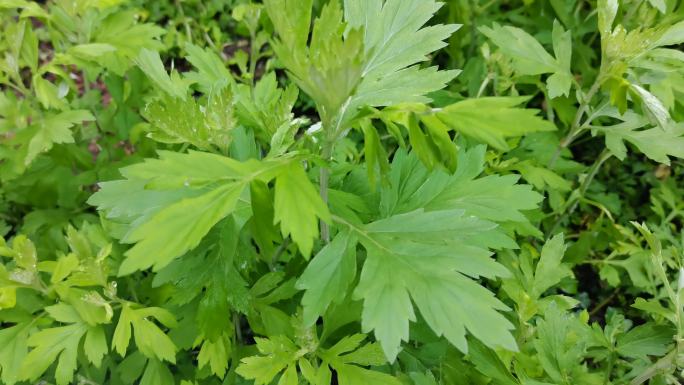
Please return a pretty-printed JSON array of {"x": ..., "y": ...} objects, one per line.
[{"x": 312, "y": 192}]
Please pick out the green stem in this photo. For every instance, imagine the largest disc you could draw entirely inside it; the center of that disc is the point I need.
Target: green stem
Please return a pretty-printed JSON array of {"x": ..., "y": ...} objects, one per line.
[
  {"x": 605, "y": 155},
  {"x": 577, "y": 127},
  {"x": 253, "y": 57},
  {"x": 238, "y": 330},
  {"x": 188, "y": 31},
  {"x": 279, "y": 251},
  {"x": 609, "y": 368},
  {"x": 324, "y": 180}
]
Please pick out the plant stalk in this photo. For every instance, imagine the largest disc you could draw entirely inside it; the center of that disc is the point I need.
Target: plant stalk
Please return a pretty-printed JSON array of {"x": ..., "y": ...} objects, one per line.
[
  {"x": 324, "y": 180},
  {"x": 577, "y": 127},
  {"x": 605, "y": 155}
]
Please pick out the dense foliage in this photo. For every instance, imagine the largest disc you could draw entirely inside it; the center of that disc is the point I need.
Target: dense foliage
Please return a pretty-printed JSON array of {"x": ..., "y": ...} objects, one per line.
[{"x": 342, "y": 192}]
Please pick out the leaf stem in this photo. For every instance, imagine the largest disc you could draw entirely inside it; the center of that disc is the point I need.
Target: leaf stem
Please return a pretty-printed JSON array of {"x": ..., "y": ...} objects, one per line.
[
  {"x": 279, "y": 251},
  {"x": 609, "y": 368},
  {"x": 253, "y": 58},
  {"x": 324, "y": 181},
  {"x": 238, "y": 329},
  {"x": 577, "y": 127},
  {"x": 605, "y": 155},
  {"x": 186, "y": 25}
]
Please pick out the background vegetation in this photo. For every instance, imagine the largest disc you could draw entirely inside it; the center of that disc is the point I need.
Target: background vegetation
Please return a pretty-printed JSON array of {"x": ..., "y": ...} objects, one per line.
[{"x": 354, "y": 192}]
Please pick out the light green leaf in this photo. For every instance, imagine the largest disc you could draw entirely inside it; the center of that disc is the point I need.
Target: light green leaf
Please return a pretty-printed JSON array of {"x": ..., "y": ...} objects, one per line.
[
  {"x": 394, "y": 40},
  {"x": 13, "y": 351},
  {"x": 656, "y": 110},
  {"x": 278, "y": 353},
  {"x": 673, "y": 35},
  {"x": 289, "y": 377},
  {"x": 91, "y": 51},
  {"x": 150, "y": 63},
  {"x": 659, "y": 4},
  {"x": 645, "y": 340},
  {"x": 55, "y": 129},
  {"x": 355, "y": 375},
  {"x": 169, "y": 205},
  {"x": 529, "y": 56},
  {"x": 156, "y": 373},
  {"x": 207, "y": 126},
  {"x": 298, "y": 206},
  {"x": 291, "y": 18},
  {"x": 655, "y": 143},
  {"x": 193, "y": 169},
  {"x": 211, "y": 72},
  {"x": 178, "y": 228},
  {"x": 432, "y": 272},
  {"x": 58, "y": 344},
  {"x": 550, "y": 269},
  {"x": 328, "y": 276},
  {"x": 374, "y": 152},
  {"x": 95, "y": 345},
  {"x": 607, "y": 10},
  {"x": 149, "y": 338},
  {"x": 560, "y": 345},
  {"x": 216, "y": 354},
  {"x": 490, "y": 364},
  {"x": 493, "y": 119},
  {"x": 366, "y": 63}
]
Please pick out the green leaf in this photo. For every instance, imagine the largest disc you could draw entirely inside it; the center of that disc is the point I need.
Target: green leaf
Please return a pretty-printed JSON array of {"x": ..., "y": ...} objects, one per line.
[
  {"x": 121, "y": 30},
  {"x": 278, "y": 353},
  {"x": 178, "y": 228},
  {"x": 149, "y": 338},
  {"x": 673, "y": 35},
  {"x": 659, "y": 4},
  {"x": 430, "y": 267},
  {"x": 55, "y": 129},
  {"x": 211, "y": 72},
  {"x": 395, "y": 39},
  {"x": 355, "y": 375},
  {"x": 645, "y": 340},
  {"x": 91, "y": 51},
  {"x": 561, "y": 81},
  {"x": 216, "y": 354},
  {"x": 330, "y": 69},
  {"x": 366, "y": 63},
  {"x": 607, "y": 10},
  {"x": 13, "y": 351},
  {"x": 374, "y": 152},
  {"x": 493, "y": 197},
  {"x": 655, "y": 108},
  {"x": 493, "y": 119},
  {"x": 170, "y": 204},
  {"x": 150, "y": 63},
  {"x": 266, "y": 108},
  {"x": 488, "y": 363},
  {"x": 328, "y": 276},
  {"x": 95, "y": 345},
  {"x": 298, "y": 206},
  {"x": 291, "y": 18},
  {"x": 156, "y": 373},
  {"x": 655, "y": 143},
  {"x": 289, "y": 377},
  {"x": 346, "y": 357},
  {"x": 528, "y": 55},
  {"x": 550, "y": 269},
  {"x": 58, "y": 344},
  {"x": 560, "y": 345},
  {"x": 207, "y": 126}
]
